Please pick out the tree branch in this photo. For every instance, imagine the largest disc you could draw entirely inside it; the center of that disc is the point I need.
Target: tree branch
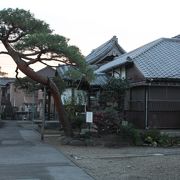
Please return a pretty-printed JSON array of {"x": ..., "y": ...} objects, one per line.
[
  {"x": 52, "y": 59},
  {"x": 4, "y": 52},
  {"x": 35, "y": 60},
  {"x": 38, "y": 59},
  {"x": 17, "y": 74}
]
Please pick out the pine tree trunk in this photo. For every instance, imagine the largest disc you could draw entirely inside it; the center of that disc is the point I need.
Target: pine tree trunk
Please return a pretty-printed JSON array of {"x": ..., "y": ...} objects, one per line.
[
  {"x": 22, "y": 66},
  {"x": 60, "y": 108}
]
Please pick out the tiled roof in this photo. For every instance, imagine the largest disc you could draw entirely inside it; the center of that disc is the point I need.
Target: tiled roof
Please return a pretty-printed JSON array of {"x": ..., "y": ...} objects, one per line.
[
  {"x": 4, "y": 81},
  {"x": 102, "y": 50},
  {"x": 123, "y": 59},
  {"x": 47, "y": 71},
  {"x": 158, "y": 59},
  {"x": 100, "y": 78},
  {"x": 177, "y": 36},
  {"x": 62, "y": 70}
]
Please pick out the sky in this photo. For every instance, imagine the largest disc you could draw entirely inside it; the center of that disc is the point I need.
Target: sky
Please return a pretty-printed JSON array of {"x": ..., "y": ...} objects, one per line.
[{"x": 89, "y": 23}]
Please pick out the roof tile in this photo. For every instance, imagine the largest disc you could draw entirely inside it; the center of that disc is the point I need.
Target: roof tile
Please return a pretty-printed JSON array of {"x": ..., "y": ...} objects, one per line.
[
  {"x": 158, "y": 59},
  {"x": 102, "y": 50}
]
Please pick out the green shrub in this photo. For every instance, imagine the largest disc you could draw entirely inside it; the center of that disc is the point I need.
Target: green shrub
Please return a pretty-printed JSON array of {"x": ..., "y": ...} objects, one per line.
[
  {"x": 78, "y": 121},
  {"x": 151, "y": 135},
  {"x": 148, "y": 140},
  {"x": 154, "y": 136},
  {"x": 75, "y": 116},
  {"x": 175, "y": 141},
  {"x": 164, "y": 140},
  {"x": 128, "y": 132}
]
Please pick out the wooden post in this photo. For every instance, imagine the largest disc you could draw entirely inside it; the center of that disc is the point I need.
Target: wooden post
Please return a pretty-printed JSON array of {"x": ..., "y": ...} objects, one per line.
[
  {"x": 49, "y": 106},
  {"x": 44, "y": 116},
  {"x": 33, "y": 107},
  {"x": 146, "y": 106}
]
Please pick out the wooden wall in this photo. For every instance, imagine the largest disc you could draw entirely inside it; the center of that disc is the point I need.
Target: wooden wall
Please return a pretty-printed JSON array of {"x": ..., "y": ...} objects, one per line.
[{"x": 163, "y": 106}]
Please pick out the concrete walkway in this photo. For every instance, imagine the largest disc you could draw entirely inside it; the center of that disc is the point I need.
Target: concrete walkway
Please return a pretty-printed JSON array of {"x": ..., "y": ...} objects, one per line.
[{"x": 24, "y": 157}]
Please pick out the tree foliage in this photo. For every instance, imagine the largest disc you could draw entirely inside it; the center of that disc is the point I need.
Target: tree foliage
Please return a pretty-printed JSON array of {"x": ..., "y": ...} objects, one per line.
[
  {"x": 29, "y": 40},
  {"x": 114, "y": 91},
  {"x": 34, "y": 40}
]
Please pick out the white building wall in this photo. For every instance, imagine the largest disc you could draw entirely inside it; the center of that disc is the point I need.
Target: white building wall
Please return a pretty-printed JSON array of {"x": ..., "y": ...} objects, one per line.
[
  {"x": 80, "y": 96},
  {"x": 123, "y": 72}
]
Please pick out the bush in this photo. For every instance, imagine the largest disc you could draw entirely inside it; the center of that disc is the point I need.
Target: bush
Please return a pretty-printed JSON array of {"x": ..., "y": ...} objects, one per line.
[
  {"x": 164, "y": 140},
  {"x": 128, "y": 132},
  {"x": 107, "y": 121},
  {"x": 151, "y": 135},
  {"x": 75, "y": 116},
  {"x": 78, "y": 121},
  {"x": 154, "y": 136},
  {"x": 175, "y": 141}
]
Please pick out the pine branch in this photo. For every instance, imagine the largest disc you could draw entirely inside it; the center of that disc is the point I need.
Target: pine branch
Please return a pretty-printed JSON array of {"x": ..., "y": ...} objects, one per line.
[
  {"x": 4, "y": 52},
  {"x": 17, "y": 74}
]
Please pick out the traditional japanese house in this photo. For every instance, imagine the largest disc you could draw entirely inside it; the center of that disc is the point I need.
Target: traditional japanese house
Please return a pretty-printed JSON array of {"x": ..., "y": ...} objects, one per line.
[
  {"x": 153, "y": 71},
  {"x": 101, "y": 55}
]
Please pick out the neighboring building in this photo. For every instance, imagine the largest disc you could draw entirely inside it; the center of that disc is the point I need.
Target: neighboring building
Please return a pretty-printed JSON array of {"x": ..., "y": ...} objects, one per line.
[
  {"x": 50, "y": 111},
  {"x": 153, "y": 71},
  {"x": 23, "y": 102},
  {"x": 15, "y": 103},
  {"x": 19, "y": 103},
  {"x": 6, "y": 109}
]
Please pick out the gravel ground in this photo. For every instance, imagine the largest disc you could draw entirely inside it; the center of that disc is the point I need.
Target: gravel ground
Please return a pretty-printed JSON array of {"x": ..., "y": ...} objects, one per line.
[{"x": 125, "y": 163}]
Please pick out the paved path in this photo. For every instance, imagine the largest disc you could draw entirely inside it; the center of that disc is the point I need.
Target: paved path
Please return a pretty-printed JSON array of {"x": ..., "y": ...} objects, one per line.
[{"x": 24, "y": 157}]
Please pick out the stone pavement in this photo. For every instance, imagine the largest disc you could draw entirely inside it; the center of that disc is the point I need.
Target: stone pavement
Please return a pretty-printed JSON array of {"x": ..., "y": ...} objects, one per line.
[{"x": 24, "y": 157}]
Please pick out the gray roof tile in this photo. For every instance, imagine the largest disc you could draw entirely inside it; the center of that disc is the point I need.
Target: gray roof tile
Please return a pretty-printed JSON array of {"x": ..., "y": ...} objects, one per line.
[
  {"x": 102, "y": 50},
  {"x": 158, "y": 59},
  {"x": 100, "y": 79},
  {"x": 46, "y": 71},
  {"x": 5, "y": 80},
  {"x": 62, "y": 71},
  {"x": 123, "y": 58}
]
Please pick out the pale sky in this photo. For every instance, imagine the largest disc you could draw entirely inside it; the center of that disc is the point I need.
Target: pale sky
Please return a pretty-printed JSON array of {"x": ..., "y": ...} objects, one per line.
[{"x": 89, "y": 23}]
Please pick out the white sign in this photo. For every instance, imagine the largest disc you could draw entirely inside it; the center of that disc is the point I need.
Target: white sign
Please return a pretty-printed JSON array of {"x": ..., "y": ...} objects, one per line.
[{"x": 89, "y": 117}]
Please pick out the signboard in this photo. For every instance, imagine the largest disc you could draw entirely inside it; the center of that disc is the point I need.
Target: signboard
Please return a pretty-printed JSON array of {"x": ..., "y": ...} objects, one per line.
[{"x": 89, "y": 117}]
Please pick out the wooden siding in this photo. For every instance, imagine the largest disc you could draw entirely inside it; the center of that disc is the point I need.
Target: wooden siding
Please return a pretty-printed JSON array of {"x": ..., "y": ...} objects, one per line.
[
  {"x": 133, "y": 74},
  {"x": 163, "y": 107},
  {"x": 164, "y": 119},
  {"x": 136, "y": 118}
]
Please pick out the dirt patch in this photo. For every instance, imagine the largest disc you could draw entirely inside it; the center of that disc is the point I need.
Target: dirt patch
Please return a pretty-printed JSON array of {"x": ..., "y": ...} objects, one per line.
[{"x": 122, "y": 162}]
